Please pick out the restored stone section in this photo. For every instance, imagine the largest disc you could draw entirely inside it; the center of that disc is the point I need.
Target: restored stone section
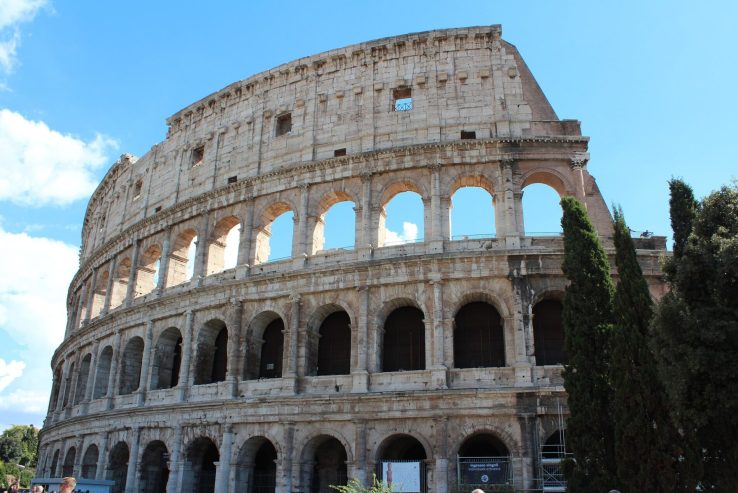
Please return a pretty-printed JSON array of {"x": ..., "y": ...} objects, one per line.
[{"x": 180, "y": 372}]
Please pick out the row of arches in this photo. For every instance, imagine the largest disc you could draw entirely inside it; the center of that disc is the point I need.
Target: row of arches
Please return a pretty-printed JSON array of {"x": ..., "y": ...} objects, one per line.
[
  {"x": 478, "y": 342},
  {"x": 322, "y": 461},
  {"x": 197, "y": 249}
]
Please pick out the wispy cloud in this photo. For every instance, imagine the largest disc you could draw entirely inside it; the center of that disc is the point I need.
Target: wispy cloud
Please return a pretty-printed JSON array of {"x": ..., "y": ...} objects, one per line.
[
  {"x": 9, "y": 371},
  {"x": 408, "y": 235},
  {"x": 13, "y": 13},
  {"x": 42, "y": 166}
]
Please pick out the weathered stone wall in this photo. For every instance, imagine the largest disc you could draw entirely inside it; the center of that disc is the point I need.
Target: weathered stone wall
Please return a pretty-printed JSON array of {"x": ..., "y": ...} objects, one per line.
[{"x": 134, "y": 315}]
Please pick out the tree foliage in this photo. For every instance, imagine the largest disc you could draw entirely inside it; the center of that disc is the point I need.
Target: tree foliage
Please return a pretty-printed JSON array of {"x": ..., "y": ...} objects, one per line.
[
  {"x": 355, "y": 486},
  {"x": 19, "y": 445},
  {"x": 696, "y": 335},
  {"x": 587, "y": 317},
  {"x": 682, "y": 208},
  {"x": 645, "y": 440}
]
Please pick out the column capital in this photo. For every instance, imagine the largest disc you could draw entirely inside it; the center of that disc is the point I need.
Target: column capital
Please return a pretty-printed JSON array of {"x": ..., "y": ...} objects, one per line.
[
  {"x": 435, "y": 167},
  {"x": 508, "y": 160},
  {"x": 579, "y": 160}
]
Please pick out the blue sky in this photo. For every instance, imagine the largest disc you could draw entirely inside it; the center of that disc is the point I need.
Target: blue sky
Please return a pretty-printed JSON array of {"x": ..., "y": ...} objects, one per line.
[{"x": 653, "y": 83}]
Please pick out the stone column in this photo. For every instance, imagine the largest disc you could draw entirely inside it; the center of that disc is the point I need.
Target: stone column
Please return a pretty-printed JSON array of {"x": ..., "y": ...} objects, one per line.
[
  {"x": 438, "y": 369},
  {"x": 300, "y": 249},
  {"x": 246, "y": 238},
  {"x": 60, "y": 459},
  {"x": 578, "y": 163},
  {"x": 293, "y": 336},
  {"x": 360, "y": 465},
  {"x": 184, "y": 372},
  {"x": 360, "y": 375},
  {"x": 512, "y": 235},
  {"x": 143, "y": 382},
  {"x": 91, "y": 295},
  {"x": 113, "y": 377},
  {"x": 131, "y": 476},
  {"x": 199, "y": 269},
  {"x": 109, "y": 287},
  {"x": 233, "y": 322},
  {"x": 285, "y": 472},
  {"x": 100, "y": 470},
  {"x": 175, "y": 464},
  {"x": 131, "y": 288},
  {"x": 223, "y": 469},
  {"x": 90, "y": 377},
  {"x": 440, "y": 475},
  {"x": 62, "y": 387},
  {"x": 166, "y": 251},
  {"x": 435, "y": 241},
  {"x": 77, "y": 468},
  {"x": 364, "y": 242},
  {"x": 515, "y": 328},
  {"x": 74, "y": 380}
]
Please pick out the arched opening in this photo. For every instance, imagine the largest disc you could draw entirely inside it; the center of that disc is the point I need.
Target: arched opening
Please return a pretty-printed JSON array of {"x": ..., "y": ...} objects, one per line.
[
  {"x": 68, "y": 385},
  {"x": 54, "y": 401},
  {"x": 402, "y": 460},
  {"x": 555, "y": 445},
  {"x": 401, "y": 220},
  {"x": 553, "y": 453},
  {"x": 334, "y": 345},
  {"x": 483, "y": 460},
  {"x": 548, "y": 331},
  {"x": 130, "y": 366},
  {"x": 223, "y": 246},
  {"x": 478, "y": 336},
  {"x": 270, "y": 357},
  {"x": 335, "y": 227},
  {"x": 102, "y": 374},
  {"x": 541, "y": 210},
  {"x": 98, "y": 297},
  {"x": 54, "y": 462},
  {"x": 89, "y": 462},
  {"x": 84, "y": 373},
  {"x": 325, "y": 465},
  {"x": 198, "y": 475},
  {"x": 154, "y": 469},
  {"x": 118, "y": 467},
  {"x": 120, "y": 283},
  {"x": 274, "y": 238},
  {"x": 167, "y": 360},
  {"x": 212, "y": 353},
  {"x": 256, "y": 467},
  {"x": 403, "y": 346},
  {"x": 472, "y": 213},
  {"x": 182, "y": 258},
  {"x": 68, "y": 466},
  {"x": 147, "y": 274}
]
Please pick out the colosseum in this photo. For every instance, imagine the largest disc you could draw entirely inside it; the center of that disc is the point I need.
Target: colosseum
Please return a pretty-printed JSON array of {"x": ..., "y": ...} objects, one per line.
[{"x": 435, "y": 364}]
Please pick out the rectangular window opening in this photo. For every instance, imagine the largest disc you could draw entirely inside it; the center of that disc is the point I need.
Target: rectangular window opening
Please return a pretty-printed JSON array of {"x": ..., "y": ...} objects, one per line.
[
  {"x": 402, "y": 99},
  {"x": 198, "y": 154},
  {"x": 339, "y": 152},
  {"x": 232, "y": 179},
  {"x": 284, "y": 124},
  {"x": 137, "y": 189},
  {"x": 468, "y": 134}
]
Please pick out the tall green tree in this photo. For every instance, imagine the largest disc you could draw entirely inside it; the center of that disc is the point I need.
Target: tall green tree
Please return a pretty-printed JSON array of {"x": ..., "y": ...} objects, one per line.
[
  {"x": 645, "y": 440},
  {"x": 19, "y": 445},
  {"x": 682, "y": 206},
  {"x": 587, "y": 317},
  {"x": 696, "y": 338}
]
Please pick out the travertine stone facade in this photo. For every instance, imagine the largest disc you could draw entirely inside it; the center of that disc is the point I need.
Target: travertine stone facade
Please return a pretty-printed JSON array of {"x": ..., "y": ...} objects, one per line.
[{"x": 289, "y": 375}]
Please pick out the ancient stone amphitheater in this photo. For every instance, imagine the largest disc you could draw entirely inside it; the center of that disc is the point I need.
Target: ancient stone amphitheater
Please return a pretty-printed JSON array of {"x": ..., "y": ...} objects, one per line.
[{"x": 437, "y": 362}]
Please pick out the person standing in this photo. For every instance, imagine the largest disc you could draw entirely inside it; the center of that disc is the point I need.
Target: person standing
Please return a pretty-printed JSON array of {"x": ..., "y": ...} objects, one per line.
[{"x": 67, "y": 485}]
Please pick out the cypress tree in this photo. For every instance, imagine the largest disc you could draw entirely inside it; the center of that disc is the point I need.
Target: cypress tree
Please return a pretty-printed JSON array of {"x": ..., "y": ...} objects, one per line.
[
  {"x": 696, "y": 340},
  {"x": 645, "y": 439},
  {"x": 587, "y": 316},
  {"x": 681, "y": 207}
]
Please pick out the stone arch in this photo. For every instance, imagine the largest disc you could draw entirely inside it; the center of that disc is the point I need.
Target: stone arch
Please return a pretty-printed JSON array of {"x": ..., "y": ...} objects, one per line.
[
  {"x": 395, "y": 187},
  {"x": 212, "y": 353},
  {"x": 120, "y": 282},
  {"x": 118, "y": 466},
  {"x": 130, "y": 365},
  {"x": 147, "y": 271},
  {"x": 324, "y": 206},
  {"x": 68, "y": 385},
  {"x": 265, "y": 218},
  {"x": 218, "y": 244},
  {"x": 403, "y": 336},
  {"x": 198, "y": 471},
  {"x": 488, "y": 297},
  {"x": 324, "y": 459},
  {"x": 554, "y": 447},
  {"x": 265, "y": 346},
  {"x": 488, "y": 428},
  {"x": 100, "y": 293},
  {"x": 548, "y": 332},
  {"x": 167, "y": 359},
  {"x": 478, "y": 335},
  {"x": 389, "y": 192},
  {"x": 102, "y": 372},
  {"x": 485, "y": 215},
  {"x": 154, "y": 470},
  {"x": 256, "y": 468},
  {"x": 54, "y": 462},
  {"x": 89, "y": 462},
  {"x": 84, "y": 372},
  {"x": 329, "y": 341},
  {"x": 69, "y": 458},
  {"x": 181, "y": 261},
  {"x": 56, "y": 387},
  {"x": 471, "y": 180},
  {"x": 547, "y": 176},
  {"x": 487, "y": 445}
]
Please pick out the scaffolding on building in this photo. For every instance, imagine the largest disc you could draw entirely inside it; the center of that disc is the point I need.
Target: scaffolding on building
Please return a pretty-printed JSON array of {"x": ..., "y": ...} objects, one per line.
[{"x": 551, "y": 457}]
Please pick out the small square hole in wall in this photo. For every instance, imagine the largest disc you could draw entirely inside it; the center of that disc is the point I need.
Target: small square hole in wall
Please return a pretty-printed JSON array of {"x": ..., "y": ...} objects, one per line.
[
  {"x": 468, "y": 134},
  {"x": 339, "y": 152},
  {"x": 402, "y": 99},
  {"x": 284, "y": 124},
  {"x": 232, "y": 179},
  {"x": 158, "y": 209},
  {"x": 198, "y": 154}
]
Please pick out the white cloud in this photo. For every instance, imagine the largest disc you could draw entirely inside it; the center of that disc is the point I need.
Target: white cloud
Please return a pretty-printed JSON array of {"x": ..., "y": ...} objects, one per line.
[
  {"x": 9, "y": 372},
  {"x": 42, "y": 166},
  {"x": 26, "y": 401},
  {"x": 408, "y": 235},
  {"x": 13, "y": 13}
]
